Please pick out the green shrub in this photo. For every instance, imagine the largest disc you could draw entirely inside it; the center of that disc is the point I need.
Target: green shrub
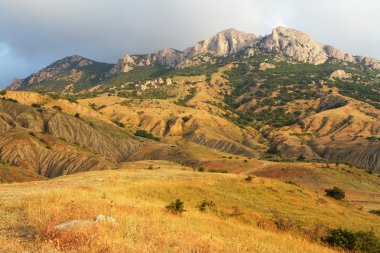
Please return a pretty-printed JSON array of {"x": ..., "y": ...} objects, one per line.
[
  {"x": 10, "y": 100},
  {"x": 360, "y": 241},
  {"x": 291, "y": 182},
  {"x": 218, "y": 171},
  {"x": 284, "y": 224},
  {"x": 3, "y": 92},
  {"x": 118, "y": 123},
  {"x": 376, "y": 212},
  {"x": 335, "y": 193},
  {"x": 58, "y": 108},
  {"x": 176, "y": 207},
  {"x": 301, "y": 158},
  {"x": 77, "y": 115},
  {"x": 186, "y": 118},
  {"x": 204, "y": 204},
  {"x": 145, "y": 134},
  {"x": 249, "y": 178}
]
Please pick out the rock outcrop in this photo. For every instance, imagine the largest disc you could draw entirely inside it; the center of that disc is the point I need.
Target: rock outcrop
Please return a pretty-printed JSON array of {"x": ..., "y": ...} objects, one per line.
[
  {"x": 75, "y": 224},
  {"x": 340, "y": 74},
  {"x": 338, "y": 54},
  {"x": 290, "y": 42},
  {"x": 295, "y": 44},
  {"x": 264, "y": 66},
  {"x": 223, "y": 43},
  {"x": 302, "y": 47}
]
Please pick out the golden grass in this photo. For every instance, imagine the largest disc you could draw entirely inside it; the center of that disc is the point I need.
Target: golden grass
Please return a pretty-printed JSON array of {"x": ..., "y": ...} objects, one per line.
[
  {"x": 244, "y": 219},
  {"x": 360, "y": 187}
]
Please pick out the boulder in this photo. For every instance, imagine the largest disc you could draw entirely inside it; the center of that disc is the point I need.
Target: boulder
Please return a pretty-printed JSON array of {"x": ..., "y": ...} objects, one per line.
[
  {"x": 340, "y": 74},
  {"x": 75, "y": 224},
  {"x": 265, "y": 66}
]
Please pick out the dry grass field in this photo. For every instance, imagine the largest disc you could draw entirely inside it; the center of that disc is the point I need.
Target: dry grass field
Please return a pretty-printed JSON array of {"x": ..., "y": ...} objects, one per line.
[{"x": 264, "y": 215}]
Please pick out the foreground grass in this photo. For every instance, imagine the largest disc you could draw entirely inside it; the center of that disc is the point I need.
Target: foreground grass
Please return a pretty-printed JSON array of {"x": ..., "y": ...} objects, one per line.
[{"x": 264, "y": 215}]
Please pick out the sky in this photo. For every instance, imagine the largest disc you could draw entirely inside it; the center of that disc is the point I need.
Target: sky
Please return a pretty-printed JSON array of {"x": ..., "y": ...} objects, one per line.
[{"x": 35, "y": 33}]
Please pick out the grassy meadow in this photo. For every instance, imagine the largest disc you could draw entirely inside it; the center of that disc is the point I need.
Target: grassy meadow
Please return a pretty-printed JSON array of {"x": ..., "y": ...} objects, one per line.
[{"x": 261, "y": 215}]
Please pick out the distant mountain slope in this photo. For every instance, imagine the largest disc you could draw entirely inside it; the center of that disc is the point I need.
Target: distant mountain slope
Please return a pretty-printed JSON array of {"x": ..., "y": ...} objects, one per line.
[{"x": 70, "y": 74}]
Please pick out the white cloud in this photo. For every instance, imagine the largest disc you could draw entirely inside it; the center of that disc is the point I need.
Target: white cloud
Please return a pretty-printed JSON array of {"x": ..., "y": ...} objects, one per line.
[{"x": 4, "y": 49}]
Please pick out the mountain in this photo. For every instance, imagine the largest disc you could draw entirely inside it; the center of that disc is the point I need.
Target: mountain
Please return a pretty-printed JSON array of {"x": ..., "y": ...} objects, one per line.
[
  {"x": 226, "y": 42},
  {"x": 290, "y": 42},
  {"x": 283, "y": 96},
  {"x": 75, "y": 71},
  {"x": 301, "y": 47}
]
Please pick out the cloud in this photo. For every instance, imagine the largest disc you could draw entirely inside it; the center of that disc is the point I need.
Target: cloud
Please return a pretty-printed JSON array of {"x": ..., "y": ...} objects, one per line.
[{"x": 39, "y": 32}]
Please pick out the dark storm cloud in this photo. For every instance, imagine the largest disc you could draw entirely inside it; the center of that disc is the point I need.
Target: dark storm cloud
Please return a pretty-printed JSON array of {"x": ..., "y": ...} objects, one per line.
[{"x": 34, "y": 33}]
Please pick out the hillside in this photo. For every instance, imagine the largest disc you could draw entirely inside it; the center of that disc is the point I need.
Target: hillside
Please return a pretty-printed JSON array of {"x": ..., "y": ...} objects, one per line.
[
  {"x": 281, "y": 96},
  {"x": 263, "y": 215},
  {"x": 70, "y": 74}
]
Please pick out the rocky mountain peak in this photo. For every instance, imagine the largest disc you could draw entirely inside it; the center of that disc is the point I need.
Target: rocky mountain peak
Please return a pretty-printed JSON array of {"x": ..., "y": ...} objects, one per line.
[
  {"x": 168, "y": 57},
  {"x": 71, "y": 61},
  {"x": 63, "y": 69},
  {"x": 302, "y": 47},
  {"x": 223, "y": 43},
  {"x": 296, "y": 44},
  {"x": 293, "y": 43}
]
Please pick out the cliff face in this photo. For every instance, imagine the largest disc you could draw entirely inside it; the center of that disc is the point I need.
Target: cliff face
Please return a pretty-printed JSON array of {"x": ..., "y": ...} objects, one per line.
[
  {"x": 223, "y": 43},
  {"x": 303, "y": 48},
  {"x": 296, "y": 44}
]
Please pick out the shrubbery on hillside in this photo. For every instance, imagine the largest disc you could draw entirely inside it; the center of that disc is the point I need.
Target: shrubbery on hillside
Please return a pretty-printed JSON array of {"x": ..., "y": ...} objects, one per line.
[
  {"x": 335, "y": 193},
  {"x": 176, "y": 207},
  {"x": 361, "y": 241},
  {"x": 145, "y": 134}
]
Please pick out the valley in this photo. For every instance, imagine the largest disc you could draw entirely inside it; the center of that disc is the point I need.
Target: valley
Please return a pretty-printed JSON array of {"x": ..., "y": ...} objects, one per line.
[{"x": 249, "y": 132}]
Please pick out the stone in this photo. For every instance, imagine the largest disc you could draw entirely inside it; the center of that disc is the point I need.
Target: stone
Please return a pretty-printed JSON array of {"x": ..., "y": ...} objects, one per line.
[
  {"x": 169, "y": 82},
  {"x": 340, "y": 74},
  {"x": 264, "y": 66},
  {"x": 100, "y": 218},
  {"x": 75, "y": 224}
]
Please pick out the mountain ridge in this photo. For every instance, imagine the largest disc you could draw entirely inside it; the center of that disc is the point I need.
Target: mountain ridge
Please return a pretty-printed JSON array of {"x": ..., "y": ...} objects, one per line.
[
  {"x": 290, "y": 42},
  {"x": 281, "y": 96}
]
